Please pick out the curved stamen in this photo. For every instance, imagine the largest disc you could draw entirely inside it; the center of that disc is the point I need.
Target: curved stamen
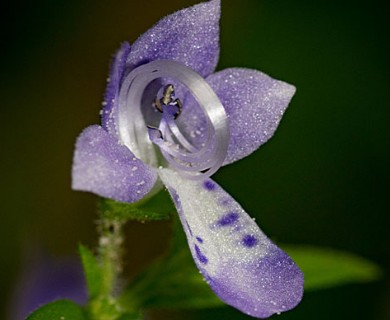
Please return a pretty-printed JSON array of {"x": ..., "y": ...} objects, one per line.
[{"x": 191, "y": 161}]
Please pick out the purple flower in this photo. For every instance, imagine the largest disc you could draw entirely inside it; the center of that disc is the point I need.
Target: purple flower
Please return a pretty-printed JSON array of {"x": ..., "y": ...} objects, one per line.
[
  {"x": 45, "y": 279},
  {"x": 168, "y": 118}
]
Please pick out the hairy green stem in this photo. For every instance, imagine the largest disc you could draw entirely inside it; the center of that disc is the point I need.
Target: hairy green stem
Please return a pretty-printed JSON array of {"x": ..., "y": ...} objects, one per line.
[
  {"x": 105, "y": 306},
  {"x": 110, "y": 250}
]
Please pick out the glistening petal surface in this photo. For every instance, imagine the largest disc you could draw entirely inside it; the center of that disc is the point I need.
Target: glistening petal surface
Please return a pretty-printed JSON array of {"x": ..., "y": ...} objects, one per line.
[
  {"x": 110, "y": 103},
  {"x": 103, "y": 166},
  {"x": 243, "y": 267},
  {"x": 255, "y": 104},
  {"x": 189, "y": 36}
]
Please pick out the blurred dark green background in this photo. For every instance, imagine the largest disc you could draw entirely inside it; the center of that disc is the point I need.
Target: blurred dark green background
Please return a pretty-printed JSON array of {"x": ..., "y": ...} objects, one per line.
[{"x": 319, "y": 181}]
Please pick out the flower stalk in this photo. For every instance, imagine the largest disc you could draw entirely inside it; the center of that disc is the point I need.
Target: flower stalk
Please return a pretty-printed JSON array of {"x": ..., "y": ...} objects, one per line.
[
  {"x": 105, "y": 305},
  {"x": 110, "y": 250}
]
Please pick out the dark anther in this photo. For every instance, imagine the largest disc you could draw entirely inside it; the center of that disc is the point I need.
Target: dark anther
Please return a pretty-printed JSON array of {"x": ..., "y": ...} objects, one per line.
[
  {"x": 157, "y": 105},
  {"x": 168, "y": 98},
  {"x": 180, "y": 108}
]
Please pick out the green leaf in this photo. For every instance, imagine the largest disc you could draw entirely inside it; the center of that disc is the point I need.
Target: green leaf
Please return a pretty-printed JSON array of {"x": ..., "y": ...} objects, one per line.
[
  {"x": 59, "y": 310},
  {"x": 171, "y": 282},
  {"x": 158, "y": 207},
  {"x": 92, "y": 271},
  {"x": 324, "y": 268}
]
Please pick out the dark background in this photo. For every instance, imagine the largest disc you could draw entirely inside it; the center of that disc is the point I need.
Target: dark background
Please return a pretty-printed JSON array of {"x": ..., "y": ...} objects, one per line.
[{"x": 319, "y": 181}]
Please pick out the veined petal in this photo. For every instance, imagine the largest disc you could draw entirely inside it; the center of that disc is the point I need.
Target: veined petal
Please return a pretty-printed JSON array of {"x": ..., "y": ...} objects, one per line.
[
  {"x": 103, "y": 166},
  {"x": 190, "y": 36},
  {"x": 254, "y": 103},
  {"x": 110, "y": 103},
  {"x": 243, "y": 267}
]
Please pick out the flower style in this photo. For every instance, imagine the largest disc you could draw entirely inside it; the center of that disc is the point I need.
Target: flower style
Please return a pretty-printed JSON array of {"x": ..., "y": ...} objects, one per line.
[{"x": 168, "y": 118}]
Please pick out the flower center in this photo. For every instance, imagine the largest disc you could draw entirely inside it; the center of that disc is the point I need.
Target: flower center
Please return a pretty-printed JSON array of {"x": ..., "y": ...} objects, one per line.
[{"x": 139, "y": 134}]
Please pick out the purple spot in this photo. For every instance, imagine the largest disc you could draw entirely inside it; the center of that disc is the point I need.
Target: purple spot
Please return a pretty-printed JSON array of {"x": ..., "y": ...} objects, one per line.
[
  {"x": 228, "y": 219},
  {"x": 200, "y": 240},
  {"x": 201, "y": 257},
  {"x": 209, "y": 185},
  {"x": 249, "y": 241}
]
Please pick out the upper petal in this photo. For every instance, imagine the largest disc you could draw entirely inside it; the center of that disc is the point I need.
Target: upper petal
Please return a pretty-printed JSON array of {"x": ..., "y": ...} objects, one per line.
[
  {"x": 243, "y": 267},
  {"x": 254, "y": 103},
  {"x": 190, "y": 36},
  {"x": 110, "y": 103},
  {"x": 103, "y": 166}
]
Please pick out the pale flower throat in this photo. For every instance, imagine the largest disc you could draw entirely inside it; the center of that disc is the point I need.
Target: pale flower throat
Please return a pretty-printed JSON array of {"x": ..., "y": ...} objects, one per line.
[{"x": 139, "y": 135}]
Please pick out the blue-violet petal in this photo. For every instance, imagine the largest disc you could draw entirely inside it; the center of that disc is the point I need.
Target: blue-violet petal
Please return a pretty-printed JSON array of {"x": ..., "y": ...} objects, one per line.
[
  {"x": 254, "y": 103},
  {"x": 103, "y": 166},
  {"x": 189, "y": 36},
  {"x": 114, "y": 80},
  {"x": 243, "y": 267}
]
